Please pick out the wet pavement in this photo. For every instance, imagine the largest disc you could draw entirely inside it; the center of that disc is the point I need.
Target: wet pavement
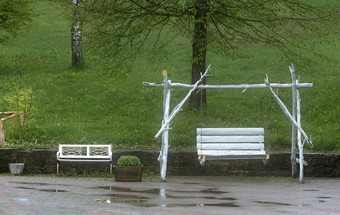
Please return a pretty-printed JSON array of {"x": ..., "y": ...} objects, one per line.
[{"x": 179, "y": 195}]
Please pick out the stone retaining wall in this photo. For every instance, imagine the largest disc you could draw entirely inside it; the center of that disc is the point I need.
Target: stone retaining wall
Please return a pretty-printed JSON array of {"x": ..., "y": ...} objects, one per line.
[{"x": 38, "y": 161}]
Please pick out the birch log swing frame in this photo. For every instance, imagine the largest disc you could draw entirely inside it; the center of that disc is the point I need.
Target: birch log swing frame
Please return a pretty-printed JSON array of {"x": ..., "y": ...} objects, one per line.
[{"x": 248, "y": 141}]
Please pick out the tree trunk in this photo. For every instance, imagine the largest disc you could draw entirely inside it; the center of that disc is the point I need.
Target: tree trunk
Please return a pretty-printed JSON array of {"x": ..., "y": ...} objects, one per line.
[
  {"x": 76, "y": 35},
  {"x": 199, "y": 47}
]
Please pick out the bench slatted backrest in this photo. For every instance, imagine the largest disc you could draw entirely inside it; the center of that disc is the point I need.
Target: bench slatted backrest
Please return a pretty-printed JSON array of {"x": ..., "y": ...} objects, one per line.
[
  {"x": 230, "y": 143},
  {"x": 86, "y": 152}
]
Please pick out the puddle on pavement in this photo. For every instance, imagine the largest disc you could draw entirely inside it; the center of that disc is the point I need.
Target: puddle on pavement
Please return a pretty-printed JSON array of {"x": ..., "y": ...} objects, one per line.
[
  {"x": 134, "y": 202},
  {"x": 43, "y": 190},
  {"x": 126, "y": 196},
  {"x": 212, "y": 191},
  {"x": 144, "y": 203},
  {"x": 157, "y": 190},
  {"x": 205, "y": 191},
  {"x": 272, "y": 203},
  {"x": 167, "y": 196},
  {"x": 225, "y": 198},
  {"x": 31, "y": 183},
  {"x": 127, "y": 189},
  {"x": 323, "y": 198},
  {"x": 222, "y": 204},
  {"x": 311, "y": 190},
  {"x": 193, "y": 183},
  {"x": 118, "y": 189},
  {"x": 38, "y": 183},
  {"x": 136, "y": 199}
]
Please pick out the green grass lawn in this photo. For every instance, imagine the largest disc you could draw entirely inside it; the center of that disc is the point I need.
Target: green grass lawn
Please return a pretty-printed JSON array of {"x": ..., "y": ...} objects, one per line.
[{"x": 98, "y": 105}]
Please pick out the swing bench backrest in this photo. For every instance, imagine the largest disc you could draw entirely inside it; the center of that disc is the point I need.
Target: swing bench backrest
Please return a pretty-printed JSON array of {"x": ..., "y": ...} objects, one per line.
[{"x": 230, "y": 143}]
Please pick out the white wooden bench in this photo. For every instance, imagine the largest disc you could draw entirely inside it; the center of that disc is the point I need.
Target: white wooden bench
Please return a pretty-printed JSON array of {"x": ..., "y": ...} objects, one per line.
[
  {"x": 84, "y": 153},
  {"x": 230, "y": 143}
]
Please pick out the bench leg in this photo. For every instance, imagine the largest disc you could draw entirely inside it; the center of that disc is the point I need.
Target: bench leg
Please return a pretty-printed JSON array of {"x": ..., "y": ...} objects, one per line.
[
  {"x": 58, "y": 168},
  {"x": 111, "y": 168}
]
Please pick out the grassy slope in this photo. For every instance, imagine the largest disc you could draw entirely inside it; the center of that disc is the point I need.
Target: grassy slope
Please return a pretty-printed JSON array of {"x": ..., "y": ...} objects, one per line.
[{"x": 96, "y": 105}]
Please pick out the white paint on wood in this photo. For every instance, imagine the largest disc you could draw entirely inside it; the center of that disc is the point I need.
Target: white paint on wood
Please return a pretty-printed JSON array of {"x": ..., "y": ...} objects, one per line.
[
  {"x": 293, "y": 148},
  {"x": 230, "y": 146},
  {"x": 234, "y": 157},
  {"x": 238, "y": 86},
  {"x": 163, "y": 158},
  {"x": 230, "y": 139},
  {"x": 225, "y": 131},
  {"x": 299, "y": 140},
  {"x": 230, "y": 143},
  {"x": 226, "y": 153}
]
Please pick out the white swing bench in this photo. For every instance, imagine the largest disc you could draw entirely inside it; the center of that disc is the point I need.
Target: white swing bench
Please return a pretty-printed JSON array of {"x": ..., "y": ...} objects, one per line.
[{"x": 230, "y": 144}]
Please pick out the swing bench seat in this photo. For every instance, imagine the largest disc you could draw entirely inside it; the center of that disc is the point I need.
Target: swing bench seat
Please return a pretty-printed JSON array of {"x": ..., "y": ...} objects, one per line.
[{"x": 230, "y": 144}]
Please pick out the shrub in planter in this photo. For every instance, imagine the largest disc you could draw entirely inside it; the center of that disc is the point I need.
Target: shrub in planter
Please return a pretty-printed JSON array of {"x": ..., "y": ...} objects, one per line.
[
  {"x": 128, "y": 160},
  {"x": 129, "y": 168}
]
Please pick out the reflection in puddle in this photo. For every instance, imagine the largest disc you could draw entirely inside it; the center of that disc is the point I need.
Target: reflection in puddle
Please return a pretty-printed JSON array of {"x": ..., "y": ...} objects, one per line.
[
  {"x": 190, "y": 183},
  {"x": 125, "y": 196},
  {"x": 158, "y": 190},
  {"x": 212, "y": 191},
  {"x": 122, "y": 195},
  {"x": 310, "y": 190},
  {"x": 225, "y": 198},
  {"x": 133, "y": 202},
  {"x": 272, "y": 203},
  {"x": 31, "y": 183},
  {"x": 126, "y": 189},
  {"x": 206, "y": 191},
  {"x": 222, "y": 204},
  {"x": 145, "y": 203},
  {"x": 43, "y": 190},
  {"x": 168, "y": 196}
]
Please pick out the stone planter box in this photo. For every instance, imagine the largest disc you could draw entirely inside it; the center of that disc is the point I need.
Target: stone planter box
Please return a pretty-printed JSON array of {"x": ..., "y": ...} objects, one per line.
[
  {"x": 16, "y": 168},
  {"x": 128, "y": 173}
]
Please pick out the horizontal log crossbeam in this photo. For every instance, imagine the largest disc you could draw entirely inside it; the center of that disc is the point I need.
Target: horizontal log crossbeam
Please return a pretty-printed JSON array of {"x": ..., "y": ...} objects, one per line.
[{"x": 239, "y": 86}]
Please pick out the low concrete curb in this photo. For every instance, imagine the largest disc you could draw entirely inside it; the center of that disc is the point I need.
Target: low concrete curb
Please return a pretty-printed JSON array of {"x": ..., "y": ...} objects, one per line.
[{"x": 39, "y": 161}]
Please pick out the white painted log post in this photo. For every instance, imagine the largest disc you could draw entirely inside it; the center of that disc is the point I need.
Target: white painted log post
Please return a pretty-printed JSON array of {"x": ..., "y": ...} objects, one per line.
[
  {"x": 294, "y": 97},
  {"x": 301, "y": 158},
  {"x": 163, "y": 156}
]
